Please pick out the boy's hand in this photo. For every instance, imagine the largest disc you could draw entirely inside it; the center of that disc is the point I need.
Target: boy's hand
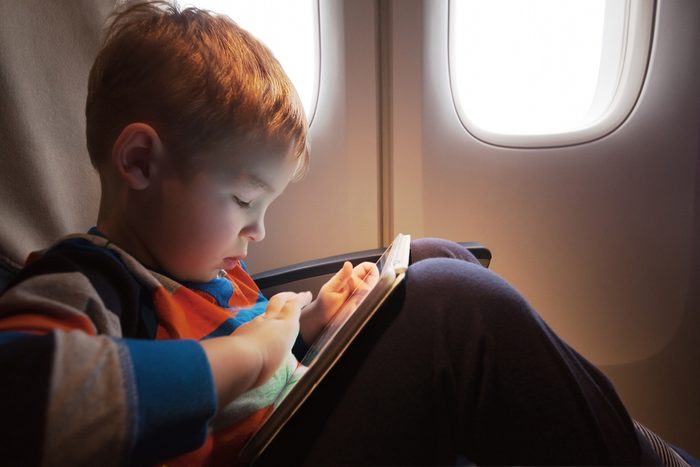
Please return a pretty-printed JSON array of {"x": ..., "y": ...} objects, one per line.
[
  {"x": 333, "y": 295},
  {"x": 274, "y": 332},
  {"x": 250, "y": 356}
]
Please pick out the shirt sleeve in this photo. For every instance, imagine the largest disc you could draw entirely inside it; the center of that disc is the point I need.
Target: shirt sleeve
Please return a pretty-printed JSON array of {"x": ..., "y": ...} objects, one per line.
[{"x": 75, "y": 391}]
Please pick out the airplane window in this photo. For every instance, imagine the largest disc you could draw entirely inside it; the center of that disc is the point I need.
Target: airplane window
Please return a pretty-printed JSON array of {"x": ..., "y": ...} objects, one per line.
[
  {"x": 289, "y": 29},
  {"x": 547, "y": 72}
]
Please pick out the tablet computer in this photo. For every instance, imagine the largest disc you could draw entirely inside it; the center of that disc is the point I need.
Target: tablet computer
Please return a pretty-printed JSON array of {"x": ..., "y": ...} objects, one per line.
[{"x": 335, "y": 338}]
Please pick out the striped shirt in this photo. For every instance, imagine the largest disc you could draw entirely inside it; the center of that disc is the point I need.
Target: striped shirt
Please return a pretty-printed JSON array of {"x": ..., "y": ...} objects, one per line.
[{"x": 104, "y": 363}]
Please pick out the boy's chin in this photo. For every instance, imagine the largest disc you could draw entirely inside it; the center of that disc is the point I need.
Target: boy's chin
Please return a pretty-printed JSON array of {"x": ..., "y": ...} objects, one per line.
[
  {"x": 197, "y": 277},
  {"x": 210, "y": 276}
]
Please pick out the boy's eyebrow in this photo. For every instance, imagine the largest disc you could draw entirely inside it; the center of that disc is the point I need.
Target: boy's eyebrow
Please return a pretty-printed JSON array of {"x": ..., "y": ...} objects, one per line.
[
  {"x": 259, "y": 183},
  {"x": 249, "y": 178}
]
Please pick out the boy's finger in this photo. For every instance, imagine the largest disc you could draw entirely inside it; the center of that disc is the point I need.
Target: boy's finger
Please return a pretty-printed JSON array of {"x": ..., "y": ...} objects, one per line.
[
  {"x": 277, "y": 301},
  {"x": 304, "y": 298},
  {"x": 339, "y": 281},
  {"x": 344, "y": 271},
  {"x": 368, "y": 273},
  {"x": 275, "y": 304},
  {"x": 293, "y": 306},
  {"x": 287, "y": 301},
  {"x": 366, "y": 269}
]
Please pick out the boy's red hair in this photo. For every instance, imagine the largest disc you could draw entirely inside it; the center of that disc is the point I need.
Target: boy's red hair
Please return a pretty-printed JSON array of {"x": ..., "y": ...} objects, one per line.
[{"x": 197, "y": 78}]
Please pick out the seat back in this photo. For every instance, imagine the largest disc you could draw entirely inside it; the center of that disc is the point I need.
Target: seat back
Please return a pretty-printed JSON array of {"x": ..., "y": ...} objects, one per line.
[{"x": 47, "y": 186}]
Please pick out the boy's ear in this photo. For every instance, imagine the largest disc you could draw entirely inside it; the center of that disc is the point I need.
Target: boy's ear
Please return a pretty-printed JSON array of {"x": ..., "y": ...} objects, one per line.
[{"x": 136, "y": 154}]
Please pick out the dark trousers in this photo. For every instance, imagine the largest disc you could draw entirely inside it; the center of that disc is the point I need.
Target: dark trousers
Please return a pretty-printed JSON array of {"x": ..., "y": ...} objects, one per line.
[{"x": 455, "y": 366}]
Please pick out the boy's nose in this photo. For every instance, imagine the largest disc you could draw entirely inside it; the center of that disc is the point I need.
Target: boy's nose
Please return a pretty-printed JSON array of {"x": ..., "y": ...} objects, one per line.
[{"x": 255, "y": 232}]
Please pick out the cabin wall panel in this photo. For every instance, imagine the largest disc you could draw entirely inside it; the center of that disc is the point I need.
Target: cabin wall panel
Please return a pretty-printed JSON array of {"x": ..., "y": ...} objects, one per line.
[
  {"x": 599, "y": 237},
  {"x": 335, "y": 208}
]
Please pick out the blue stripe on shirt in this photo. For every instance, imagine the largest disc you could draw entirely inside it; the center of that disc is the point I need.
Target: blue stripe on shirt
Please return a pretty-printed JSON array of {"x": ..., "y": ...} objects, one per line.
[
  {"x": 175, "y": 397},
  {"x": 9, "y": 336},
  {"x": 242, "y": 316},
  {"x": 220, "y": 288}
]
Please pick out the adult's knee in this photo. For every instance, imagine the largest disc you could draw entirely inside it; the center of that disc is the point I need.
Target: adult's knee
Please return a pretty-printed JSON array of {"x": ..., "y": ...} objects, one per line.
[
  {"x": 428, "y": 247},
  {"x": 453, "y": 287},
  {"x": 452, "y": 277}
]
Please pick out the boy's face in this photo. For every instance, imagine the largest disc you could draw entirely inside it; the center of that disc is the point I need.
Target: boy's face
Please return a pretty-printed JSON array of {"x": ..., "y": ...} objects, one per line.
[{"x": 193, "y": 228}]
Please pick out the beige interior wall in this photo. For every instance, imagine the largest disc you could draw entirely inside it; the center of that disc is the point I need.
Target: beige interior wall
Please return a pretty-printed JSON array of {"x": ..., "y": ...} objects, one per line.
[
  {"x": 601, "y": 237},
  {"x": 335, "y": 208}
]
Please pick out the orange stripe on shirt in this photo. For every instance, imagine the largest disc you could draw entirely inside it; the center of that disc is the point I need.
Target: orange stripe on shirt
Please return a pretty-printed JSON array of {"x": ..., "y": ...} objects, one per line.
[
  {"x": 186, "y": 315},
  {"x": 229, "y": 441},
  {"x": 222, "y": 448},
  {"x": 37, "y": 323},
  {"x": 245, "y": 291}
]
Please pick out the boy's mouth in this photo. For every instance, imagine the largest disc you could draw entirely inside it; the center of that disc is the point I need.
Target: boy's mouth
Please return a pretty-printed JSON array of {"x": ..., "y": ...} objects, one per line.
[{"x": 232, "y": 261}]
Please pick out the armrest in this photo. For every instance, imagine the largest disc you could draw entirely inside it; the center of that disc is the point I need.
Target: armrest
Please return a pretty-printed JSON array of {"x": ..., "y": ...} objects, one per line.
[{"x": 331, "y": 264}]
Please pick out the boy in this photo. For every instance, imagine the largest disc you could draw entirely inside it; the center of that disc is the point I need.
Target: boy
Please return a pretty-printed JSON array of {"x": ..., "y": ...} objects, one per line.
[
  {"x": 133, "y": 332},
  {"x": 146, "y": 341}
]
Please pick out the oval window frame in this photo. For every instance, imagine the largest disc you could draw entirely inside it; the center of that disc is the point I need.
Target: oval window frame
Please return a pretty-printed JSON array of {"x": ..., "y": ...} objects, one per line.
[{"x": 633, "y": 65}]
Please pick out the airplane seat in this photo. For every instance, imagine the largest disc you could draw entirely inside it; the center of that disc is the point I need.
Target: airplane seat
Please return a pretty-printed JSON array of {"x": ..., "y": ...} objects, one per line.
[
  {"x": 48, "y": 187},
  {"x": 666, "y": 453}
]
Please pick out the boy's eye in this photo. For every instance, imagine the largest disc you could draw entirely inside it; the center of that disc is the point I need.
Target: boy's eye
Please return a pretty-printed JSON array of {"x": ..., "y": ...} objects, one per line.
[{"x": 241, "y": 203}]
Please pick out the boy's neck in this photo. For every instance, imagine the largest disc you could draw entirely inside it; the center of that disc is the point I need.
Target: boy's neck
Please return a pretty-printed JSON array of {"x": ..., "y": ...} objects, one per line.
[{"x": 125, "y": 238}]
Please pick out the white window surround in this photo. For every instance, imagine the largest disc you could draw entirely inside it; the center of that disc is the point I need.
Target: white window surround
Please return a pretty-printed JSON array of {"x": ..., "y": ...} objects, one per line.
[
  {"x": 289, "y": 28},
  {"x": 623, "y": 68}
]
